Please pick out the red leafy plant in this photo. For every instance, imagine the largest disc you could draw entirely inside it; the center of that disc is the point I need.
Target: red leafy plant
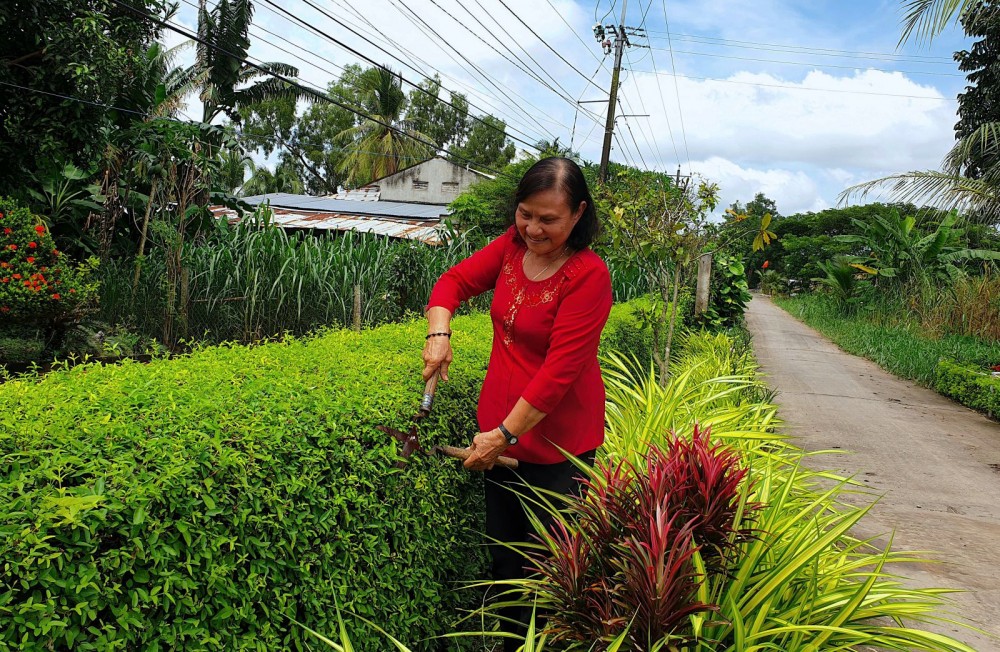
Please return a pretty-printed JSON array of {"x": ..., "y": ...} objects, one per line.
[{"x": 623, "y": 555}]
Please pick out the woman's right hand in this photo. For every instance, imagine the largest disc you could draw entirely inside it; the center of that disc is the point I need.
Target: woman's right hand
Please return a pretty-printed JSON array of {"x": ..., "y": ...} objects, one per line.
[{"x": 437, "y": 357}]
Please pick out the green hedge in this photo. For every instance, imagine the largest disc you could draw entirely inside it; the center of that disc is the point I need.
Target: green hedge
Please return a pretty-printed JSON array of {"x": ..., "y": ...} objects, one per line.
[
  {"x": 626, "y": 332},
  {"x": 202, "y": 501},
  {"x": 970, "y": 386}
]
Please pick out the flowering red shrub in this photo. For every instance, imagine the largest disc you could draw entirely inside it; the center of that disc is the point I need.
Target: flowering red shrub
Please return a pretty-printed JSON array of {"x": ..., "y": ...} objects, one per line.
[{"x": 36, "y": 284}]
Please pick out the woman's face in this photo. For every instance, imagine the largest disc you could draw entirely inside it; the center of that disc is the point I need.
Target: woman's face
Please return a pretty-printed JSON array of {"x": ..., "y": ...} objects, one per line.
[{"x": 545, "y": 220}]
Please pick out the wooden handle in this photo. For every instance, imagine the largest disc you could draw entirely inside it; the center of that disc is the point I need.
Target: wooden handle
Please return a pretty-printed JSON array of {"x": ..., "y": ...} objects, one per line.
[
  {"x": 429, "y": 389},
  {"x": 464, "y": 453}
]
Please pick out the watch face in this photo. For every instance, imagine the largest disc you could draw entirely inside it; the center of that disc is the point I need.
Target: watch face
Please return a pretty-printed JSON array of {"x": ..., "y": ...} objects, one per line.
[{"x": 512, "y": 441}]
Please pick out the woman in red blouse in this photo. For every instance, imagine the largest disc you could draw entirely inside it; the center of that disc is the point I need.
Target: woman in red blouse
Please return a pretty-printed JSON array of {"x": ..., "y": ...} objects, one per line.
[{"x": 543, "y": 390}]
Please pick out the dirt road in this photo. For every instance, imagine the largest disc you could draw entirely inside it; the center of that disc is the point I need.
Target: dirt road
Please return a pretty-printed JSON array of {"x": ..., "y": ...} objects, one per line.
[{"x": 935, "y": 464}]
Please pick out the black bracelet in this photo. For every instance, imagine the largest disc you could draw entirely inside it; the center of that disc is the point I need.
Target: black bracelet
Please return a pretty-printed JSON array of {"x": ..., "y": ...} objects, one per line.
[{"x": 442, "y": 334}]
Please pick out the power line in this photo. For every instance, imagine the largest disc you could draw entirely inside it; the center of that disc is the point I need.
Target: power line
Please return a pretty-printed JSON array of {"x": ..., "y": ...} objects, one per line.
[
  {"x": 378, "y": 65},
  {"x": 562, "y": 92},
  {"x": 546, "y": 44},
  {"x": 798, "y": 88},
  {"x": 520, "y": 64},
  {"x": 799, "y": 49},
  {"x": 485, "y": 96},
  {"x": 601, "y": 65},
  {"x": 295, "y": 84},
  {"x": 677, "y": 90},
  {"x": 412, "y": 15},
  {"x": 280, "y": 143},
  {"x": 663, "y": 103},
  {"x": 81, "y": 100},
  {"x": 597, "y": 8},
  {"x": 807, "y": 63},
  {"x": 650, "y": 139}
]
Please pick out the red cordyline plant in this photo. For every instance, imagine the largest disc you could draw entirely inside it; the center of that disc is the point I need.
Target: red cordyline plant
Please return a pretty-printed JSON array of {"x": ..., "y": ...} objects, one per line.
[{"x": 622, "y": 556}]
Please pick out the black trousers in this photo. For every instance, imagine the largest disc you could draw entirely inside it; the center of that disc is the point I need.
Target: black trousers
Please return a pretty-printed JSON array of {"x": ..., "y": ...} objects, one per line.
[{"x": 507, "y": 521}]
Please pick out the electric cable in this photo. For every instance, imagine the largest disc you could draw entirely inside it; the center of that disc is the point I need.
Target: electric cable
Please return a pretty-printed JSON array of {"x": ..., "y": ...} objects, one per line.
[
  {"x": 663, "y": 103},
  {"x": 811, "y": 64},
  {"x": 651, "y": 142},
  {"x": 546, "y": 44},
  {"x": 597, "y": 8},
  {"x": 520, "y": 64},
  {"x": 802, "y": 88},
  {"x": 482, "y": 94},
  {"x": 677, "y": 89},
  {"x": 489, "y": 78},
  {"x": 375, "y": 63},
  {"x": 295, "y": 84},
  {"x": 280, "y": 143},
  {"x": 801, "y": 49}
]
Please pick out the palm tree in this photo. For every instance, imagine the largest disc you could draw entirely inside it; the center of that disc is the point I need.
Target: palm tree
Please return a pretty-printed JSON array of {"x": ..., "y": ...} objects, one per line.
[
  {"x": 947, "y": 189},
  {"x": 384, "y": 139},
  {"x": 285, "y": 178},
  {"x": 228, "y": 83},
  {"x": 233, "y": 167},
  {"x": 925, "y": 19}
]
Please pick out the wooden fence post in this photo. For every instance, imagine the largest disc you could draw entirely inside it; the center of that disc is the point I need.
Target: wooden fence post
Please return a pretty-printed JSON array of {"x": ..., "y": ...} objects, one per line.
[{"x": 704, "y": 281}]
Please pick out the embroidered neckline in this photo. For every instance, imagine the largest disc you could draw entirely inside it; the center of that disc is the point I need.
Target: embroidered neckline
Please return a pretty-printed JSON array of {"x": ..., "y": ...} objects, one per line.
[{"x": 526, "y": 292}]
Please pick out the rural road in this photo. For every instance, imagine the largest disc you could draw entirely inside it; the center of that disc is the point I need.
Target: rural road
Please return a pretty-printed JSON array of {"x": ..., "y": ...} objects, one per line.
[{"x": 935, "y": 464}]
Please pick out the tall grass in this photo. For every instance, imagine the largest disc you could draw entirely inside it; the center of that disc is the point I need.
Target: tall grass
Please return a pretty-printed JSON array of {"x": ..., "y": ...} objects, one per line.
[
  {"x": 252, "y": 281},
  {"x": 970, "y": 306},
  {"x": 904, "y": 334}
]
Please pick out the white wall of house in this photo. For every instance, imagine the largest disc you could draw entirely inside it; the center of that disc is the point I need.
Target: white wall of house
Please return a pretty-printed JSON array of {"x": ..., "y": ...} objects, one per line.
[{"x": 436, "y": 181}]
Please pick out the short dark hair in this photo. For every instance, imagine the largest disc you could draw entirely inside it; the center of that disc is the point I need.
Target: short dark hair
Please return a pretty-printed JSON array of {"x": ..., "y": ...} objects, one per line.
[{"x": 566, "y": 175}]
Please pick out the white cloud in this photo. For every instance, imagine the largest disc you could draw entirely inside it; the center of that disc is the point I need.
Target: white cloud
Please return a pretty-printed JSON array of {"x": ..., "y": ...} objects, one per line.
[
  {"x": 774, "y": 129},
  {"x": 792, "y": 190},
  {"x": 843, "y": 122}
]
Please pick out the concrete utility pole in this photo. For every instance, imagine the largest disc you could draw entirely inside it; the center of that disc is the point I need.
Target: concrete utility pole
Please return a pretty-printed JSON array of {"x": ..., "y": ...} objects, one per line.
[{"x": 621, "y": 40}]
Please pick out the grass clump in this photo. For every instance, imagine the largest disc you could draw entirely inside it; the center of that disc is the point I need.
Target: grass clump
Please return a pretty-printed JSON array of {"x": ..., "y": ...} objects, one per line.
[{"x": 891, "y": 335}]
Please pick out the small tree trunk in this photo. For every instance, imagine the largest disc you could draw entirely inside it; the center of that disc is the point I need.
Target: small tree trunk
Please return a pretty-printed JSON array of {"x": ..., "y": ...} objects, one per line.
[
  {"x": 184, "y": 299},
  {"x": 673, "y": 321},
  {"x": 142, "y": 238}
]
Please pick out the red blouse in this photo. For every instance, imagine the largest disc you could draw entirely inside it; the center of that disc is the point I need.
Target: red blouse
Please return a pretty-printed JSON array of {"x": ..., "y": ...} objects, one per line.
[{"x": 545, "y": 338}]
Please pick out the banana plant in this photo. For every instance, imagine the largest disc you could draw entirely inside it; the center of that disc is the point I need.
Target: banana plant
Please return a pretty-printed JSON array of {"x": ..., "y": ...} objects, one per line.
[{"x": 899, "y": 250}]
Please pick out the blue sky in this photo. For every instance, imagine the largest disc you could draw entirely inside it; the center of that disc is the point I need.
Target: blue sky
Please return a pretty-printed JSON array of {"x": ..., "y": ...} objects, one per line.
[{"x": 797, "y": 100}]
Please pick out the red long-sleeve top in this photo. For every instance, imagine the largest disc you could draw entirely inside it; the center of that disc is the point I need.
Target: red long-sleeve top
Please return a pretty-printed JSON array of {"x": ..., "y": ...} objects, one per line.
[{"x": 545, "y": 339}]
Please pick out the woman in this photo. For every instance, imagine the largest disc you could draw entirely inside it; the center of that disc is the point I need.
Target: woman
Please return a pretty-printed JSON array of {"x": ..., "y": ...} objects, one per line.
[{"x": 543, "y": 390}]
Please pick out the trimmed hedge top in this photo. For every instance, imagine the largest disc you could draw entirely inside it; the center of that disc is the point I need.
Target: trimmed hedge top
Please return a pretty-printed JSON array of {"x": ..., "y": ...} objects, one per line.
[{"x": 202, "y": 501}]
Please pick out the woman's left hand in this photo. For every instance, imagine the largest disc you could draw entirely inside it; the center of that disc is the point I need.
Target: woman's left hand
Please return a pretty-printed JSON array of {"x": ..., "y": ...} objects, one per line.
[{"x": 486, "y": 447}]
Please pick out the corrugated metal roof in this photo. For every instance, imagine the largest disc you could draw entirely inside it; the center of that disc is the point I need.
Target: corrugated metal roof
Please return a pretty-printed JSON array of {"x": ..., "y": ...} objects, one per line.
[
  {"x": 422, "y": 230},
  {"x": 350, "y": 207},
  {"x": 368, "y": 193}
]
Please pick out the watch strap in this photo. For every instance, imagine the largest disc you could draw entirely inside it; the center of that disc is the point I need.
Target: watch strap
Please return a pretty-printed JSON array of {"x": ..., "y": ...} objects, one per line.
[{"x": 508, "y": 435}]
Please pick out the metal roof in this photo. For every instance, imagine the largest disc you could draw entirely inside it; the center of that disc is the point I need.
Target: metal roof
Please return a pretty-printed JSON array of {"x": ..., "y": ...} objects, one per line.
[
  {"x": 422, "y": 230},
  {"x": 368, "y": 193},
  {"x": 350, "y": 207}
]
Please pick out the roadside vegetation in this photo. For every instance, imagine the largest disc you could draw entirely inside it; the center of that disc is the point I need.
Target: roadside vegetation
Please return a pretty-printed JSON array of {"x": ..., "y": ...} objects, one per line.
[{"x": 231, "y": 490}]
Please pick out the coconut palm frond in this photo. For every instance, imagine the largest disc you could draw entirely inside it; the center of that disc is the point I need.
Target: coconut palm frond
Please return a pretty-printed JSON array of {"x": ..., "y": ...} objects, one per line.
[
  {"x": 980, "y": 197},
  {"x": 983, "y": 142},
  {"x": 925, "y": 19}
]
